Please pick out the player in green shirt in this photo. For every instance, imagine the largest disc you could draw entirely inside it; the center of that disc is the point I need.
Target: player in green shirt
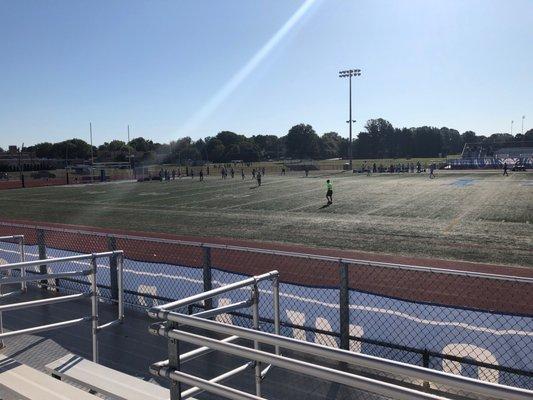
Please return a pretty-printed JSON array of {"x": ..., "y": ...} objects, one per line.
[{"x": 329, "y": 193}]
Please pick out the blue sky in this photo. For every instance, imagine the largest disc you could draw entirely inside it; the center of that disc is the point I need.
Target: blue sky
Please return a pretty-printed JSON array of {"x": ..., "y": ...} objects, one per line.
[{"x": 177, "y": 68}]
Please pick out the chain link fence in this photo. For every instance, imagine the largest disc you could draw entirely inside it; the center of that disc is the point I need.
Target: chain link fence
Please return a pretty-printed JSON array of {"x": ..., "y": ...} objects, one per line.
[{"x": 473, "y": 324}]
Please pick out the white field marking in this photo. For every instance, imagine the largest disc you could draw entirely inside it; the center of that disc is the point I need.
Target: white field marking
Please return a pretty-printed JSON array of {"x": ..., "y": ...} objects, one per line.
[
  {"x": 471, "y": 351},
  {"x": 91, "y": 279},
  {"x": 416, "y": 319},
  {"x": 357, "y": 331},
  {"x": 321, "y": 202},
  {"x": 224, "y": 318},
  {"x": 152, "y": 193},
  {"x": 95, "y": 191},
  {"x": 297, "y": 318},
  {"x": 298, "y": 193},
  {"x": 321, "y": 338},
  {"x": 287, "y": 196},
  {"x": 198, "y": 190},
  {"x": 471, "y": 207},
  {"x": 149, "y": 290},
  {"x": 394, "y": 202}
]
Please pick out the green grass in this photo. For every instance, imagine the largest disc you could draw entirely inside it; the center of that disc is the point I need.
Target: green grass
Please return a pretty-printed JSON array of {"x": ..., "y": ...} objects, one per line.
[{"x": 489, "y": 220}]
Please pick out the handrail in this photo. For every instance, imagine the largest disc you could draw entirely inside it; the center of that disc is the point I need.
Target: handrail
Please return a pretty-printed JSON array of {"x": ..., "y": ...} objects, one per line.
[
  {"x": 345, "y": 356},
  {"x": 23, "y": 286},
  {"x": 170, "y": 368},
  {"x": 56, "y": 260},
  {"x": 369, "y": 263},
  {"x": 160, "y": 311},
  {"x": 175, "y": 320},
  {"x": 93, "y": 294}
]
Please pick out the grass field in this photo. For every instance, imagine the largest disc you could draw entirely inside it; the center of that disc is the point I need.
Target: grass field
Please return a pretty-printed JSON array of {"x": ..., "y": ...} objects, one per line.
[{"x": 474, "y": 216}]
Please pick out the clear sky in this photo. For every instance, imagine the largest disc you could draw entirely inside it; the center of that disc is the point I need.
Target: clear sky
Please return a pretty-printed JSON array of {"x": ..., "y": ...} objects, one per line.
[{"x": 177, "y": 68}]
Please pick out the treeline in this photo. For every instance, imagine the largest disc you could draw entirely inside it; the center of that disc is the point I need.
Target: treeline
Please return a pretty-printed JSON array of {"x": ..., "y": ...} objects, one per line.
[{"x": 379, "y": 140}]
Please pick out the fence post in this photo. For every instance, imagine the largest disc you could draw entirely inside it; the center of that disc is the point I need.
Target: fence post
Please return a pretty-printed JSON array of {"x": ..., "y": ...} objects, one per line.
[
  {"x": 41, "y": 244},
  {"x": 174, "y": 362},
  {"x": 425, "y": 364},
  {"x": 344, "y": 304},
  {"x": 113, "y": 278},
  {"x": 207, "y": 276}
]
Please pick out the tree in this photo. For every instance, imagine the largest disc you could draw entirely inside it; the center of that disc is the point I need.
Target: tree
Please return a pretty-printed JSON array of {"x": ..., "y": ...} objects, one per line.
[
  {"x": 468, "y": 137},
  {"x": 215, "y": 150},
  {"x": 381, "y": 140},
  {"x": 269, "y": 146},
  {"x": 331, "y": 144},
  {"x": 302, "y": 142},
  {"x": 452, "y": 142},
  {"x": 142, "y": 145}
]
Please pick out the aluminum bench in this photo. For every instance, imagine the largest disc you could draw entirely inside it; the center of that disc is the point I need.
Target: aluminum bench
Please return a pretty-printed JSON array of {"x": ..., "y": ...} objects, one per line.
[
  {"x": 25, "y": 383},
  {"x": 103, "y": 380}
]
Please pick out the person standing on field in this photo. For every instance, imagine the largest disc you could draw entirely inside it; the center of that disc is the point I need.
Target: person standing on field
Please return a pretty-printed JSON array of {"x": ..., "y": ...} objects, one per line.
[
  {"x": 329, "y": 192},
  {"x": 505, "y": 169},
  {"x": 258, "y": 178}
]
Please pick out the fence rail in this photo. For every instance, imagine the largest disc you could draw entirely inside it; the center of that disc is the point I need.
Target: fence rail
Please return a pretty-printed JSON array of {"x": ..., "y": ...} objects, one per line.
[
  {"x": 92, "y": 272},
  {"x": 469, "y": 323}
]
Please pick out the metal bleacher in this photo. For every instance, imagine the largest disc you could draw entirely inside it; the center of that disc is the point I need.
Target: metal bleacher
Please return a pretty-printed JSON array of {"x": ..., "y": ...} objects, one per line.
[{"x": 48, "y": 338}]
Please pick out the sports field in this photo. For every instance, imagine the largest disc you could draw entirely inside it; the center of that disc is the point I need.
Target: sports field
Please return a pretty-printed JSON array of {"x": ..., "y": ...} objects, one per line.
[{"x": 473, "y": 216}]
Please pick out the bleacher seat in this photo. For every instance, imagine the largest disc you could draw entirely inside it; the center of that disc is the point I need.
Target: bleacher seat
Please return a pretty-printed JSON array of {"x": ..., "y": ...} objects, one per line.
[
  {"x": 25, "y": 383},
  {"x": 101, "y": 379}
]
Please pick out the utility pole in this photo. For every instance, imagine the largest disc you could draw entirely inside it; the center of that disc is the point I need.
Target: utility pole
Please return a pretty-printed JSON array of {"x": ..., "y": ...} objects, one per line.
[
  {"x": 129, "y": 151},
  {"x": 348, "y": 74},
  {"x": 66, "y": 161},
  {"x": 21, "y": 166},
  {"x": 92, "y": 155}
]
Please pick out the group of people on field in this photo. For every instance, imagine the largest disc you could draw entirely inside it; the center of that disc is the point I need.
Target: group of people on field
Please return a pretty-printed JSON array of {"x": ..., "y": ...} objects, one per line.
[{"x": 394, "y": 168}]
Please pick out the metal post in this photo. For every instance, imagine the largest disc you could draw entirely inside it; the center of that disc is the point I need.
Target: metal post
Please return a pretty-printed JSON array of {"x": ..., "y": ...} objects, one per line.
[
  {"x": 344, "y": 307},
  {"x": 208, "y": 285},
  {"x": 112, "y": 246},
  {"x": 120, "y": 285},
  {"x": 275, "y": 299},
  {"x": 41, "y": 243},
  {"x": 425, "y": 364},
  {"x": 94, "y": 309},
  {"x": 2, "y": 345},
  {"x": 174, "y": 362},
  {"x": 23, "y": 285},
  {"x": 255, "y": 312},
  {"x": 92, "y": 152},
  {"x": 350, "y": 155}
]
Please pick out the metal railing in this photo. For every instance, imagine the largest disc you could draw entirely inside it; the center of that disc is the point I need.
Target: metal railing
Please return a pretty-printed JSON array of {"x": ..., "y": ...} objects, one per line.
[
  {"x": 455, "y": 319},
  {"x": 93, "y": 294},
  {"x": 171, "y": 328},
  {"x": 171, "y": 368}
]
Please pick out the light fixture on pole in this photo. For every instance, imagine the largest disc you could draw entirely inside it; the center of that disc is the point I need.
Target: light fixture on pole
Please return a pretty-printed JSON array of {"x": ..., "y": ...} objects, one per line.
[
  {"x": 348, "y": 74},
  {"x": 512, "y": 122},
  {"x": 523, "y": 118}
]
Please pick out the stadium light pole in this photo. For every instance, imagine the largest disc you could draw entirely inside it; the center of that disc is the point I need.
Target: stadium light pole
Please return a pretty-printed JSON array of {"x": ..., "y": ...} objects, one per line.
[
  {"x": 92, "y": 154},
  {"x": 512, "y": 122},
  {"x": 129, "y": 152},
  {"x": 348, "y": 74},
  {"x": 523, "y": 118}
]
